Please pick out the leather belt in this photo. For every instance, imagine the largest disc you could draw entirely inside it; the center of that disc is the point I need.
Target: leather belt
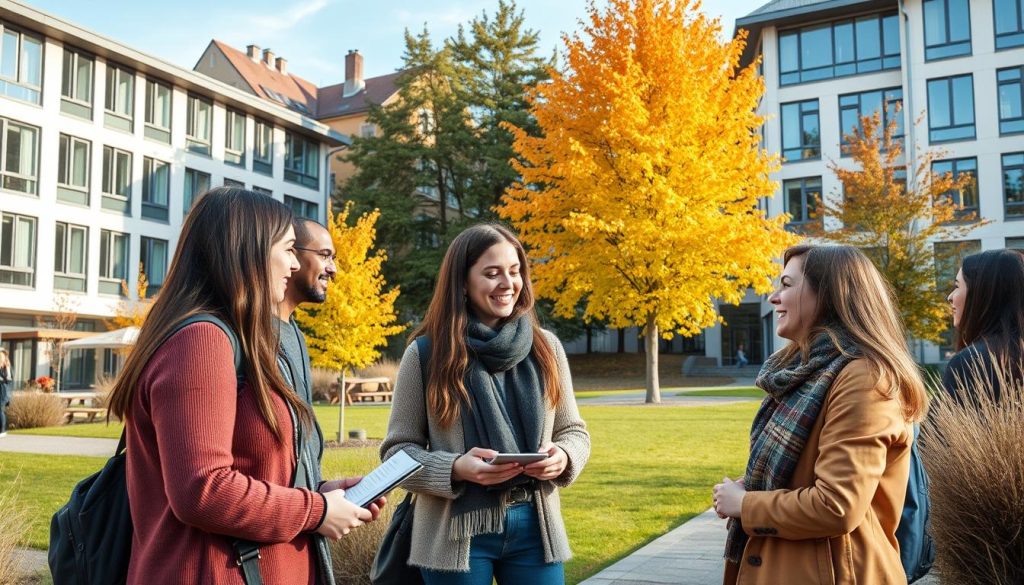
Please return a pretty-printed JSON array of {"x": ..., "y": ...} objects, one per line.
[{"x": 518, "y": 495}]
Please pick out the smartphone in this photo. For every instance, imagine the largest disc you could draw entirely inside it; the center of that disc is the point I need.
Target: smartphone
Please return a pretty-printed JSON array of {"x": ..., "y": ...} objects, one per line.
[{"x": 520, "y": 458}]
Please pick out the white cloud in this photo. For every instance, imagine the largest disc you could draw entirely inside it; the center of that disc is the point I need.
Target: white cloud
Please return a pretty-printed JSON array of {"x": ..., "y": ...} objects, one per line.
[{"x": 272, "y": 24}]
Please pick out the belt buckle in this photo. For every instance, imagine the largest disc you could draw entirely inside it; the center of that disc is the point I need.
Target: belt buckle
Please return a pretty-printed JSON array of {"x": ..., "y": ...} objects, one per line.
[{"x": 517, "y": 495}]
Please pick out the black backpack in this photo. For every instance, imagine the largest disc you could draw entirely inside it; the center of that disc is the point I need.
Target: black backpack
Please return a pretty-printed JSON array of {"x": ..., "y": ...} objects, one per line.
[{"x": 91, "y": 535}]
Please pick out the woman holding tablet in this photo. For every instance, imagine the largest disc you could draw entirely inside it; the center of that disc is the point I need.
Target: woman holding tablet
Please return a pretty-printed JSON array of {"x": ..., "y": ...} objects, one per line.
[
  {"x": 491, "y": 383},
  {"x": 830, "y": 445}
]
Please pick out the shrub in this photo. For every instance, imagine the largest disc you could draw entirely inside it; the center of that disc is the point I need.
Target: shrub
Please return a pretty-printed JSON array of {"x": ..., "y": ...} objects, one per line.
[
  {"x": 13, "y": 524},
  {"x": 323, "y": 384},
  {"x": 383, "y": 368},
  {"x": 30, "y": 409},
  {"x": 975, "y": 463}
]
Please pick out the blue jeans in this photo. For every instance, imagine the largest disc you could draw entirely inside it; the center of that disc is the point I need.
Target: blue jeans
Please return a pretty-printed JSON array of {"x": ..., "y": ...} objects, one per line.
[{"x": 513, "y": 558}]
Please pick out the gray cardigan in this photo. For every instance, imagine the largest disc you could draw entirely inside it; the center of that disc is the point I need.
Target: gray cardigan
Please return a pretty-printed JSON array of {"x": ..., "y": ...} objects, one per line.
[{"x": 412, "y": 429}]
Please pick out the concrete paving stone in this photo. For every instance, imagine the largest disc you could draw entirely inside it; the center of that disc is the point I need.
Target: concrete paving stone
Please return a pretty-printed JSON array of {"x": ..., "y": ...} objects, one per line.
[{"x": 14, "y": 443}]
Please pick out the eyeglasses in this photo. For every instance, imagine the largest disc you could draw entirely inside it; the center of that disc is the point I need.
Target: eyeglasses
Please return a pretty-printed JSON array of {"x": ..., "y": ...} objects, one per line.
[{"x": 326, "y": 255}]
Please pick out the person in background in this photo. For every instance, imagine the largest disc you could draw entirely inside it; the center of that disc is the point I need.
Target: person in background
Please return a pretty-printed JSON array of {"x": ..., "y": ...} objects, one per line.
[
  {"x": 830, "y": 446},
  {"x": 6, "y": 383},
  {"x": 988, "y": 314},
  {"x": 741, "y": 356},
  {"x": 211, "y": 457},
  {"x": 496, "y": 383}
]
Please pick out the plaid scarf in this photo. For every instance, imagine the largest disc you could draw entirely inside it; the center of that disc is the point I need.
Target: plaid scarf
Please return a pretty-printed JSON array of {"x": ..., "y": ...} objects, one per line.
[{"x": 796, "y": 391}]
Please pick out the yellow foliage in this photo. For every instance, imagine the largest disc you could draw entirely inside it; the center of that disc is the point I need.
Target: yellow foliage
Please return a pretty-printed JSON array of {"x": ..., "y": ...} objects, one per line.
[
  {"x": 346, "y": 330},
  {"x": 131, "y": 313},
  {"x": 641, "y": 197}
]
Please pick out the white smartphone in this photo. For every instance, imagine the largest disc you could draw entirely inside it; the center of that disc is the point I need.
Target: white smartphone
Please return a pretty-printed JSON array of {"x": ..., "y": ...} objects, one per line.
[{"x": 520, "y": 458}]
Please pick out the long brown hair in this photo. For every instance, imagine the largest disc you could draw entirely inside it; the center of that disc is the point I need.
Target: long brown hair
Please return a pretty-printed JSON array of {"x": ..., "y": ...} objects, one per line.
[
  {"x": 447, "y": 319},
  {"x": 855, "y": 299},
  {"x": 222, "y": 267}
]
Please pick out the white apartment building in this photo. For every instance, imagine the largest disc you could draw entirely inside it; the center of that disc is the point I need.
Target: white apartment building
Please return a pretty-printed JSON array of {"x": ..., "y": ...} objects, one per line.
[
  {"x": 955, "y": 66},
  {"x": 102, "y": 151}
]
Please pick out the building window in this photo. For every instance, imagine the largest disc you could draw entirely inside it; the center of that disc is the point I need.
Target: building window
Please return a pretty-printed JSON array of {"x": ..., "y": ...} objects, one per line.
[
  {"x": 263, "y": 150},
  {"x": 76, "y": 84},
  {"x": 947, "y": 28},
  {"x": 1015, "y": 243},
  {"x": 837, "y": 49},
  {"x": 801, "y": 136},
  {"x": 802, "y": 199},
  {"x": 301, "y": 160},
  {"x": 156, "y": 188},
  {"x": 1011, "y": 100},
  {"x": 113, "y": 262},
  {"x": 966, "y": 198},
  {"x": 233, "y": 183},
  {"x": 21, "y": 65},
  {"x": 368, "y": 130},
  {"x": 951, "y": 108},
  {"x": 200, "y": 117},
  {"x": 117, "y": 180},
  {"x": 17, "y": 250},
  {"x": 262, "y": 191},
  {"x": 855, "y": 106},
  {"x": 234, "y": 143},
  {"x": 73, "y": 162},
  {"x": 19, "y": 167},
  {"x": 1013, "y": 184},
  {"x": 196, "y": 183},
  {"x": 303, "y": 208},
  {"x": 158, "y": 111},
  {"x": 1009, "y": 22},
  {"x": 153, "y": 256},
  {"x": 69, "y": 257},
  {"x": 120, "y": 98}
]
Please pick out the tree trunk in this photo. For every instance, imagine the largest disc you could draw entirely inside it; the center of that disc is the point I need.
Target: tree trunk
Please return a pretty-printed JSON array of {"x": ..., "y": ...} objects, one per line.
[
  {"x": 341, "y": 407},
  {"x": 651, "y": 343},
  {"x": 622, "y": 341},
  {"x": 590, "y": 339}
]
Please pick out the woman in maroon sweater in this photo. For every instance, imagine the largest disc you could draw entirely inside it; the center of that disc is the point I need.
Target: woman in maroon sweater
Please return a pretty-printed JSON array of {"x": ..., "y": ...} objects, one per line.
[{"x": 210, "y": 460}]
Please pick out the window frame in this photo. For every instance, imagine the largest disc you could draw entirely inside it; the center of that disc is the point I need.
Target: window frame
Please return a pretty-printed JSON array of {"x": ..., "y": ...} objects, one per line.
[
  {"x": 947, "y": 49},
  {"x": 802, "y": 147},
  {"x": 193, "y": 177},
  {"x": 263, "y": 136},
  {"x": 68, "y": 191},
  {"x": 233, "y": 154},
  {"x": 1011, "y": 39},
  {"x": 113, "y": 200},
  {"x": 951, "y": 102},
  {"x": 70, "y": 104},
  {"x": 310, "y": 154},
  {"x": 955, "y": 194},
  {"x": 145, "y": 260},
  {"x": 153, "y": 129},
  {"x": 152, "y": 209},
  {"x": 193, "y": 142},
  {"x": 9, "y": 177},
  {"x": 11, "y": 268},
  {"x": 886, "y": 60},
  {"x": 1014, "y": 125},
  {"x": 1017, "y": 164},
  {"x": 114, "y": 117},
  {"x": 109, "y": 282},
  {"x": 12, "y": 87},
  {"x": 805, "y": 207},
  {"x": 301, "y": 207},
  {"x": 63, "y": 277},
  {"x": 889, "y": 109}
]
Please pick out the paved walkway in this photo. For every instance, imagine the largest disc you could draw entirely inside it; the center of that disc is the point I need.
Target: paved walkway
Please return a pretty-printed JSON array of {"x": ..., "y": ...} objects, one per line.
[{"x": 46, "y": 445}]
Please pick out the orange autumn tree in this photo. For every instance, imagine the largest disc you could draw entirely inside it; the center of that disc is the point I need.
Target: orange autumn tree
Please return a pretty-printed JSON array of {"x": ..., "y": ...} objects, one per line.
[
  {"x": 897, "y": 222},
  {"x": 640, "y": 199},
  {"x": 132, "y": 313}
]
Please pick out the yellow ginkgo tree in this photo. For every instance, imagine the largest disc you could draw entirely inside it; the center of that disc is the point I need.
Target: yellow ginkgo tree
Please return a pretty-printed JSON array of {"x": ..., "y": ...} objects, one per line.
[
  {"x": 641, "y": 198},
  {"x": 348, "y": 329}
]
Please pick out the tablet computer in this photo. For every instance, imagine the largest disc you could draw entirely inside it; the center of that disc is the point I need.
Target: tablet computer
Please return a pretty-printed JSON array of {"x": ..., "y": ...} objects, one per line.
[{"x": 520, "y": 458}]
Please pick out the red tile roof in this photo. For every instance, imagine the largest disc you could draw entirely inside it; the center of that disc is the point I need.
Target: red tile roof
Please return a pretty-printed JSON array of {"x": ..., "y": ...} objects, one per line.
[{"x": 333, "y": 104}]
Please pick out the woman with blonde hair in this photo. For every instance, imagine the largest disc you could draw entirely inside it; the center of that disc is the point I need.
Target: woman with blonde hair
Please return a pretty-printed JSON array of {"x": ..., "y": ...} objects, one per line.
[
  {"x": 830, "y": 446},
  {"x": 494, "y": 382},
  {"x": 5, "y": 389}
]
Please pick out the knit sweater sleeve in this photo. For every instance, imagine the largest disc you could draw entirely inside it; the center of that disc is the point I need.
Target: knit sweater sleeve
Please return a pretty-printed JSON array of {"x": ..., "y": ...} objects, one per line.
[
  {"x": 408, "y": 430},
  {"x": 569, "y": 431},
  {"x": 191, "y": 389}
]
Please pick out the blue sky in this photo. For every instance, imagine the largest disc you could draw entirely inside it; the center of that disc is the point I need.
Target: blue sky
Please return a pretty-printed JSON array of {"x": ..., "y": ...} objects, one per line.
[{"x": 314, "y": 35}]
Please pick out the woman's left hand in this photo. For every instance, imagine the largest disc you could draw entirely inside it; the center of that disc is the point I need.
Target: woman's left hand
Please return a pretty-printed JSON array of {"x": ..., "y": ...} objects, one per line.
[
  {"x": 551, "y": 467},
  {"x": 728, "y": 498},
  {"x": 334, "y": 484}
]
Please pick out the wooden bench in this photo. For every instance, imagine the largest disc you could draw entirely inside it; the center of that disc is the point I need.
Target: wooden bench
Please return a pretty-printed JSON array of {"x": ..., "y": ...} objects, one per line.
[
  {"x": 90, "y": 412},
  {"x": 359, "y": 389}
]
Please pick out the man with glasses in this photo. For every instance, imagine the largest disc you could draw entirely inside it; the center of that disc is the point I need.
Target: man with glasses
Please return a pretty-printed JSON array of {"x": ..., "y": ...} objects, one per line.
[{"x": 315, "y": 252}]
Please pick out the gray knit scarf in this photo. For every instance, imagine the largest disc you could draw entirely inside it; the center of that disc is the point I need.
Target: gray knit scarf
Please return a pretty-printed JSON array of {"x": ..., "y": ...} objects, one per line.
[
  {"x": 796, "y": 391},
  {"x": 500, "y": 362}
]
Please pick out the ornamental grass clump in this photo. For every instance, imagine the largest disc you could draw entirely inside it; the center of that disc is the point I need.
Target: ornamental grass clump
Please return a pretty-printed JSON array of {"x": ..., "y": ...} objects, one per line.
[
  {"x": 13, "y": 524},
  {"x": 32, "y": 408},
  {"x": 973, "y": 451}
]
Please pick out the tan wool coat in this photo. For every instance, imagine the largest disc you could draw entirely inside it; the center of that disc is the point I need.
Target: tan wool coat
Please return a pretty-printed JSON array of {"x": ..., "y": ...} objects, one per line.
[{"x": 836, "y": 522}]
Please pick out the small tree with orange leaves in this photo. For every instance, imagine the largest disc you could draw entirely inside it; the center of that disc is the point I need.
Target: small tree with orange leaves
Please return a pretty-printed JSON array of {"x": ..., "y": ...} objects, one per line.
[
  {"x": 131, "y": 312},
  {"x": 896, "y": 216},
  {"x": 640, "y": 199}
]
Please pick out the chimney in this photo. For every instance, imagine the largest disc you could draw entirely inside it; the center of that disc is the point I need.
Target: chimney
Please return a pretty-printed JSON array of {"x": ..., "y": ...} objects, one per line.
[
  {"x": 268, "y": 57},
  {"x": 353, "y": 73},
  {"x": 253, "y": 51},
  {"x": 282, "y": 65}
]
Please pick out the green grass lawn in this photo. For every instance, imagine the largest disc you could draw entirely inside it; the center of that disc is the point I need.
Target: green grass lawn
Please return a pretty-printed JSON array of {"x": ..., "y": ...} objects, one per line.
[
  {"x": 651, "y": 469},
  {"x": 731, "y": 392}
]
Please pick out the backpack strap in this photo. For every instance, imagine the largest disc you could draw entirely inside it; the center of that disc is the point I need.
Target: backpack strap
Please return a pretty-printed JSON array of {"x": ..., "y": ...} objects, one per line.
[{"x": 423, "y": 350}]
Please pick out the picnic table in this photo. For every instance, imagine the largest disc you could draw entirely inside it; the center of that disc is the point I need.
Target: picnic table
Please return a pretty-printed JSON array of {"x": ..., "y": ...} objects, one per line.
[
  {"x": 81, "y": 403},
  {"x": 361, "y": 389}
]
